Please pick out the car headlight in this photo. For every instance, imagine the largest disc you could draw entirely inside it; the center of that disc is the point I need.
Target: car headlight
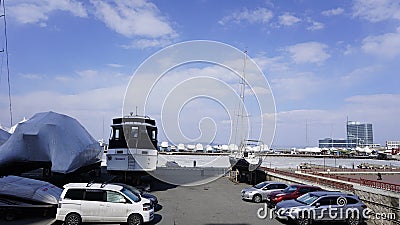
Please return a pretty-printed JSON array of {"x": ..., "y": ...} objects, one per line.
[{"x": 147, "y": 206}]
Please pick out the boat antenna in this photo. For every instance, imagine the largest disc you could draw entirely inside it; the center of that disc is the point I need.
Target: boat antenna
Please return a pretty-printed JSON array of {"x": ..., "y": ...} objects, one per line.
[{"x": 7, "y": 63}]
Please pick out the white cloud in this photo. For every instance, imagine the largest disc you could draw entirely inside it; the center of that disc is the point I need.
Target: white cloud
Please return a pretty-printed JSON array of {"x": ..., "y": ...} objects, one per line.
[
  {"x": 297, "y": 87},
  {"x": 288, "y": 20},
  {"x": 273, "y": 65},
  {"x": 359, "y": 75},
  {"x": 381, "y": 110},
  {"x": 386, "y": 45},
  {"x": 115, "y": 65},
  {"x": 91, "y": 79},
  {"x": 348, "y": 50},
  {"x": 333, "y": 12},
  {"x": 89, "y": 107},
  {"x": 260, "y": 15},
  {"x": 376, "y": 10},
  {"x": 134, "y": 18},
  {"x": 381, "y": 100},
  {"x": 308, "y": 52},
  {"x": 316, "y": 26},
  {"x": 148, "y": 43},
  {"x": 37, "y": 12}
]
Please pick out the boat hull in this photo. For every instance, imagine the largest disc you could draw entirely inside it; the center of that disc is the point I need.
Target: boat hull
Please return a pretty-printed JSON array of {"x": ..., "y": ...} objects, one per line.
[
  {"x": 245, "y": 164},
  {"x": 131, "y": 160}
]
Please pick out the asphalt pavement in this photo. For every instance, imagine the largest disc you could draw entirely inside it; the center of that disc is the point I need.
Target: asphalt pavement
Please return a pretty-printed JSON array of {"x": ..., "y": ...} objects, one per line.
[{"x": 218, "y": 202}]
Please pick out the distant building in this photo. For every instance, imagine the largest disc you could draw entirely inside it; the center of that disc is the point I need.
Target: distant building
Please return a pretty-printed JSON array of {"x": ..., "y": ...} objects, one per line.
[
  {"x": 336, "y": 143},
  {"x": 360, "y": 133},
  {"x": 392, "y": 144}
]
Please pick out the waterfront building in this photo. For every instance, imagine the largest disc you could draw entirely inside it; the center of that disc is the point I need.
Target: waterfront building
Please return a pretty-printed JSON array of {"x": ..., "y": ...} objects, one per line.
[
  {"x": 337, "y": 143},
  {"x": 392, "y": 144},
  {"x": 360, "y": 133}
]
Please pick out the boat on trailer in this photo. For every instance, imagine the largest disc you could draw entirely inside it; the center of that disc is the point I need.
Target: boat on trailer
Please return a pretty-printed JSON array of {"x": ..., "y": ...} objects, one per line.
[
  {"x": 248, "y": 158},
  {"x": 132, "y": 145}
]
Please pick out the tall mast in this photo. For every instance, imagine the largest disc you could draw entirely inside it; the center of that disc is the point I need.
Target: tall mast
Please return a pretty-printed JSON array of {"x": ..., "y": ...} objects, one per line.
[
  {"x": 7, "y": 63},
  {"x": 242, "y": 93}
]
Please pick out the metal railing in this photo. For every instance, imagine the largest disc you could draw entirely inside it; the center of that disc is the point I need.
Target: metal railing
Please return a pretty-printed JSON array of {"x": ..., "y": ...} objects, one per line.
[
  {"x": 365, "y": 182},
  {"x": 319, "y": 180}
]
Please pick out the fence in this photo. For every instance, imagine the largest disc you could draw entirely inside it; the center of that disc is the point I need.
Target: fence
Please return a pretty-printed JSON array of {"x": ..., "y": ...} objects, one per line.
[
  {"x": 337, "y": 184},
  {"x": 313, "y": 179}
]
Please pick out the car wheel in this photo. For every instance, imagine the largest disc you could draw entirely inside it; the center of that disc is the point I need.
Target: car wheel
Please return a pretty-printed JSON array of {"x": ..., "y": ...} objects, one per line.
[
  {"x": 257, "y": 198},
  {"x": 73, "y": 219},
  {"x": 303, "y": 220},
  {"x": 135, "y": 219},
  {"x": 353, "y": 220}
]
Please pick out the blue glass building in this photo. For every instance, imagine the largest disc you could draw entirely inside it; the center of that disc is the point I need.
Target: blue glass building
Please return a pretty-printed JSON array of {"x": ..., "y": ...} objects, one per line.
[{"x": 360, "y": 133}]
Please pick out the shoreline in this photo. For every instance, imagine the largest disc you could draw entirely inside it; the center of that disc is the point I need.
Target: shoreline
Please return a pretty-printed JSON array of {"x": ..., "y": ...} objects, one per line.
[{"x": 275, "y": 155}]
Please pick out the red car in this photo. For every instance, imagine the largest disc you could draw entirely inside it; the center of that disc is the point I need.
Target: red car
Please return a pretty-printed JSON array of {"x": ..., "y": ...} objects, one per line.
[{"x": 291, "y": 192}]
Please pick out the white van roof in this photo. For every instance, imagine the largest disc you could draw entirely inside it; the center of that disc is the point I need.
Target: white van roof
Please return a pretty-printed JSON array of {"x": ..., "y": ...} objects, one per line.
[{"x": 112, "y": 187}]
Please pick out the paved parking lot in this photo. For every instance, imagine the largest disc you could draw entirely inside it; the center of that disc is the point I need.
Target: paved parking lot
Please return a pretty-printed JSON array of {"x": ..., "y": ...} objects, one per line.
[{"x": 218, "y": 202}]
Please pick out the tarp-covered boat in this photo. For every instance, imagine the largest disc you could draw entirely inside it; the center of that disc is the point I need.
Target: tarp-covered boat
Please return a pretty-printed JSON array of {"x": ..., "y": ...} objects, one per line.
[
  {"x": 49, "y": 139},
  {"x": 29, "y": 189},
  {"x": 4, "y": 135}
]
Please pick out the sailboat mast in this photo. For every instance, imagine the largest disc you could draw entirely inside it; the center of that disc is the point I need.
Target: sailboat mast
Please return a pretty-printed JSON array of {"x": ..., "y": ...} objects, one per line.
[
  {"x": 242, "y": 93},
  {"x": 7, "y": 62}
]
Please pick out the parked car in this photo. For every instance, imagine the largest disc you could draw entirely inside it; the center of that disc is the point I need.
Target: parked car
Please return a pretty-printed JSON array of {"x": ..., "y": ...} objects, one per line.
[
  {"x": 81, "y": 202},
  {"x": 259, "y": 192},
  {"x": 291, "y": 192},
  {"x": 153, "y": 199},
  {"x": 323, "y": 206}
]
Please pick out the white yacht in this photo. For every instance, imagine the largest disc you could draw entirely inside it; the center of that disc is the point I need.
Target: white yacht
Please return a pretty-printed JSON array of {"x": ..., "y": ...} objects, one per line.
[
  {"x": 181, "y": 147},
  {"x": 190, "y": 147},
  {"x": 209, "y": 148},
  {"x": 199, "y": 148},
  {"x": 133, "y": 145},
  {"x": 164, "y": 146}
]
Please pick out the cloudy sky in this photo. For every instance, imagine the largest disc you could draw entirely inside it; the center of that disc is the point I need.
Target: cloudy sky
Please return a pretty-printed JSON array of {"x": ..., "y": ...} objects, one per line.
[{"x": 325, "y": 61}]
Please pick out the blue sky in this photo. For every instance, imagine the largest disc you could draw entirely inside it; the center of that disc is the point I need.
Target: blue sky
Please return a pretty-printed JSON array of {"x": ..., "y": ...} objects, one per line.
[{"x": 326, "y": 61}]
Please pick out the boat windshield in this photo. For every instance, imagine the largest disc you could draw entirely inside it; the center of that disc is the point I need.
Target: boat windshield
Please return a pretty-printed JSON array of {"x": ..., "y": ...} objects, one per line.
[
  {"x": 130, "y": 195},
  {"x": 290, "y": 189},
  {"x": 307, "y": 198}
]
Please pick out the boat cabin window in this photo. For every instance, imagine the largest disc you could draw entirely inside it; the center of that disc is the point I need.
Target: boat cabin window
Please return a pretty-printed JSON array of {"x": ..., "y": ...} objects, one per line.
[
  {"x": 112, "y": 133},
  {"x": 152, "y": 134},
  {"x": 135, "y": 132},
  {"x": 116, "y": 137}
]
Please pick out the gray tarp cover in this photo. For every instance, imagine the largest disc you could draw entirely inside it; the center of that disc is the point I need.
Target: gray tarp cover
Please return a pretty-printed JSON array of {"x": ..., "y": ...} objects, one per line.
[
  {"x": 51, "y": 137},
  {"x": 4, "y": 135},
  {"x": 30, "y": 189}
]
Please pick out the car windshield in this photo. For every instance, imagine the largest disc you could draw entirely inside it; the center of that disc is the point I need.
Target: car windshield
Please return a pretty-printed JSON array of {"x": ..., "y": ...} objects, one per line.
[
  {"x": 134, "y": 190},
  {"x": 260, "y": 185},
  {"x": 290, "y": 189},
  {"x": 130, "y": 195},
  {"x": 307, "y": 199}
]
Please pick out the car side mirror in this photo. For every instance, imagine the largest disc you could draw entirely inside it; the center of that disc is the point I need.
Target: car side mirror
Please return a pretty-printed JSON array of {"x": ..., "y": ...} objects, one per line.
[
  {"x": 317, "y": 205},
  {"x": 122, "y": 200}
]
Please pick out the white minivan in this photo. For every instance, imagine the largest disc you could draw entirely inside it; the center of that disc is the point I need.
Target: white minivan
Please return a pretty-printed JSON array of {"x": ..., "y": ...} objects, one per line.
[{"x": 92, "y": 202}]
